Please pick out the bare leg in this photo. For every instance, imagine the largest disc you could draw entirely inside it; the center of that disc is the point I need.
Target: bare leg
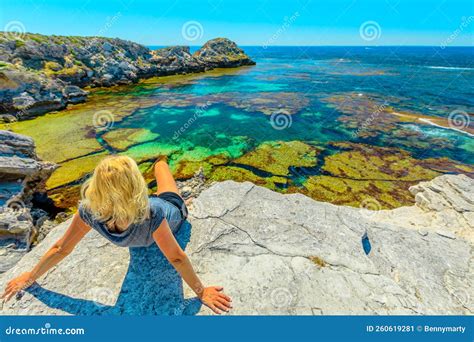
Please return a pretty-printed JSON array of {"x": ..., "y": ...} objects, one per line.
[{"x": 164, "y": 179}]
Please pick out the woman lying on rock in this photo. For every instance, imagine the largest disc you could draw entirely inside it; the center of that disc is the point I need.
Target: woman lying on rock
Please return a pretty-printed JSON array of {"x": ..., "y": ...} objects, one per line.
[{"x": 115, "y": 203}]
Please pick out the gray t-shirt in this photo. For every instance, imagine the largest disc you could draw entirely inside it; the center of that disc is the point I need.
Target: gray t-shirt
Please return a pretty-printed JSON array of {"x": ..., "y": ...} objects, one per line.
[{"x": 137, "y": 234}]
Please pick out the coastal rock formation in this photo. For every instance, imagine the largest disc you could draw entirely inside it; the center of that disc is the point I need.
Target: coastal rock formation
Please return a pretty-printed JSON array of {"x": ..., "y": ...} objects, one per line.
[
  {"x": 25, "y": 93},
  {"x": 19, "y": 163},
  {"x": 222, "y": 53},
  {"x": 274, "y": 254},
  {"x": 43, "y": 73},
  {"x": 444, "y": 205},
  {"x": 23, "y": 176},
  {"x": 16, "y": 227},
  {"x": 176, "y": 60}
]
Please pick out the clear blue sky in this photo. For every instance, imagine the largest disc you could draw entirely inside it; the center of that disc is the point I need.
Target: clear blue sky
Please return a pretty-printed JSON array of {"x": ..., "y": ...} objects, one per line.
[{"x": 249, "y": 22}]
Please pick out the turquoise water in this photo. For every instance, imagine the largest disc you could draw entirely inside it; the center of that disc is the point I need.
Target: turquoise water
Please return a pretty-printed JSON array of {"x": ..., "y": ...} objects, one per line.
[
  {"x": 339, "y": 102},
  {"x": 420, "y": 80}
]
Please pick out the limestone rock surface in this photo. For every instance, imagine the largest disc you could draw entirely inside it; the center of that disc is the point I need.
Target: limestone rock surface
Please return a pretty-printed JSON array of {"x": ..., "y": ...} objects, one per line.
[
  {"x": 222, "y": 53},
  {"x": 19, "y": 162},
  {"x": 22, "y": 176},
  {"x": 273, "y": 254},
  {"x": 444, "y": 205}
]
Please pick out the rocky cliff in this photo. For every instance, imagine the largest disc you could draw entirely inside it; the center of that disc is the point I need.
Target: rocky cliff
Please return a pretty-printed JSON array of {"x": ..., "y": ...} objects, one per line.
[
  {"x": 18, "y": 159},
  {"x": 23, "y": 176},
  {"x": 42, "y": 73},
  {"x": 278, "y": 254}
]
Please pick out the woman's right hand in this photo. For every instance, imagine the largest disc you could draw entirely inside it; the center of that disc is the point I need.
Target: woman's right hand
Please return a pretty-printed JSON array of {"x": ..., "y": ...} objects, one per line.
[
  {"x": 16, "y": 285},
  {"x": 215, "y": 299}
]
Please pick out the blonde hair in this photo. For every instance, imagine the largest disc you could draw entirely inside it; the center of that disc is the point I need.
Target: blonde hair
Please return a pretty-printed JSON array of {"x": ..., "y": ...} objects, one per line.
[{"x": 116, "y": 193}]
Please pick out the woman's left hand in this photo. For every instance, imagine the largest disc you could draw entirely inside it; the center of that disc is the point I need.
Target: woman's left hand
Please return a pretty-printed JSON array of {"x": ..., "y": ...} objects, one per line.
[{"x": 16, "y": 285}]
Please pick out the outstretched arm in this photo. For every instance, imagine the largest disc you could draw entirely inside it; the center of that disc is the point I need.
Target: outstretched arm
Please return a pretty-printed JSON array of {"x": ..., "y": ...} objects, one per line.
[
  {"x": 212, "y": 296},
  {"x": 76, "y": 231}
]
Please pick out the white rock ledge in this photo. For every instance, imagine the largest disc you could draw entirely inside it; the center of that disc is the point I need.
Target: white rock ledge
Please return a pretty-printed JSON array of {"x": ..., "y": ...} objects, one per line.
[{"x": 278, "y": 254}]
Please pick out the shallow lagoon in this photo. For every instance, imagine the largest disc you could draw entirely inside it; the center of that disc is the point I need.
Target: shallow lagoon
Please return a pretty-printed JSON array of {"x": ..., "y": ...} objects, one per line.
[{"x": 338, "y": 124}]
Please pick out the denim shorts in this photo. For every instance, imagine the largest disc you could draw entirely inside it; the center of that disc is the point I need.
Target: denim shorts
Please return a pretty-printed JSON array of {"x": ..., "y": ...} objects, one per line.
[{"x": 176, "y": 200}]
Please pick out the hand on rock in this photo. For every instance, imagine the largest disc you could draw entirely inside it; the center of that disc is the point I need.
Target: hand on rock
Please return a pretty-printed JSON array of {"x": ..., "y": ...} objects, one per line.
[
  {"x": 215, "y": 299},
  {"x": 16, "y": 285}
]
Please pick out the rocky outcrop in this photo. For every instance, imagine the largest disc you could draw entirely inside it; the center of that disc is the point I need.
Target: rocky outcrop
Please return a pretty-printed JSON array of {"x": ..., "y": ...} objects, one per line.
[
  {"x": 444, "y": 206},
  {"x": 274, "y": 254},
  {"x": 176, "y": 60},
  {"x": 25, "y": 93},
  {"x": 23, "y": 175},
  {"x": 19, "y": 163},
  {"x": 16, "y": 228},
  {"x": 222, "y": 53},
  {"x": 43, "y": 73}
]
